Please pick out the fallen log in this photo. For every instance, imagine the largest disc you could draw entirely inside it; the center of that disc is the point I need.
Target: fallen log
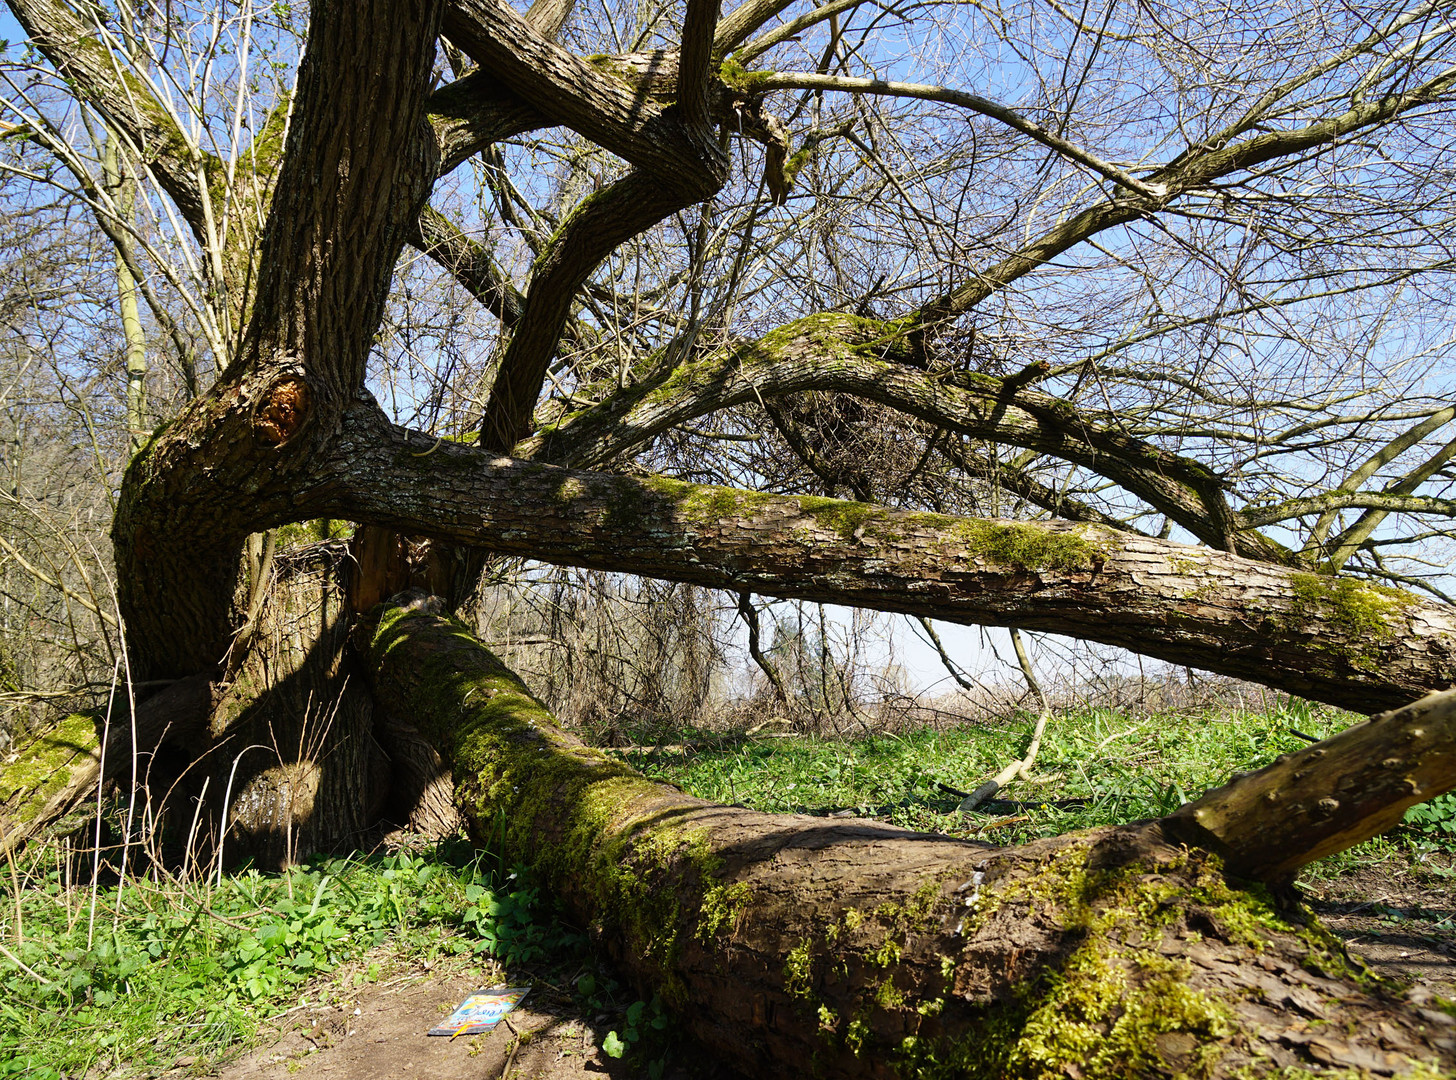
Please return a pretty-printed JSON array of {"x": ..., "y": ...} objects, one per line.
[
  {"x": 804, "y": 946},
  {"x": 47, "y": 779}
]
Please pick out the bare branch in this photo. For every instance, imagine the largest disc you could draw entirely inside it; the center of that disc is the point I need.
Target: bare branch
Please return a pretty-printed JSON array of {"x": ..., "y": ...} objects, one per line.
[{"x": 791, "y": 80}]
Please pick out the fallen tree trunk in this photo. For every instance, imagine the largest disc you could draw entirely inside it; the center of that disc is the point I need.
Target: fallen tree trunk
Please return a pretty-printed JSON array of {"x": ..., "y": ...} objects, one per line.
[
  {"x": 53, "y": 774},
  {"x": 804, "y": 946}
]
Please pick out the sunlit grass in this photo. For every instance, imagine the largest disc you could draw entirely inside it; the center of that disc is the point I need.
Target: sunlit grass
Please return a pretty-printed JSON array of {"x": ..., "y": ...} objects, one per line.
[
  {"x": 132, "y": 976},
  {"x": 1096, "y": 767}
]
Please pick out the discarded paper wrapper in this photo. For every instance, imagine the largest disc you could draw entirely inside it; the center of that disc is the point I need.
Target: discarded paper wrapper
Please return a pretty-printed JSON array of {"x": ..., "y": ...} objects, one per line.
[{"x": 481, "y": 1011}]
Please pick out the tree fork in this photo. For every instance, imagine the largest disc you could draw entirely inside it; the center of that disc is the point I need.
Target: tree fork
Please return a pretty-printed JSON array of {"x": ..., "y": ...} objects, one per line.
[{"x": 809, "y": 946}]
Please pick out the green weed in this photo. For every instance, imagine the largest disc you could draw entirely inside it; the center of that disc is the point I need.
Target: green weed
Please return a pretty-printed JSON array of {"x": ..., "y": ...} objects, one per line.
[
  {"x": 136, "y": 974},
  {"x": 1434, "y": 822},
  {"x": 1096, "y": 767}
]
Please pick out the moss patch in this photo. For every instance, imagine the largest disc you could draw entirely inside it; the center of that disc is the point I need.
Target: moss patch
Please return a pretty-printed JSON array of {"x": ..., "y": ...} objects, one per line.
[
  {"x": 621, "y": 843},
  {"x": 44, "y": 767},
  {"x": 1362, "y": 610},
  {"x": 844, "y": 518},
  {"x": 1116, "y": 1006},
  {"x": 1010, "y": 544}
]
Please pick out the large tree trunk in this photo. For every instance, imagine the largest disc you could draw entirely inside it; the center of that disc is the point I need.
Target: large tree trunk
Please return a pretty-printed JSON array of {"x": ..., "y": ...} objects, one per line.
[{"x": 804, "y": 946}]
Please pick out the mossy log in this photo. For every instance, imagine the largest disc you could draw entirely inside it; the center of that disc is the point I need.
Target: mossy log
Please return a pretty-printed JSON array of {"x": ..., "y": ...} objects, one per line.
[
  {"x": 51, "y": 775},
  {"x": 804, "y": 946}
]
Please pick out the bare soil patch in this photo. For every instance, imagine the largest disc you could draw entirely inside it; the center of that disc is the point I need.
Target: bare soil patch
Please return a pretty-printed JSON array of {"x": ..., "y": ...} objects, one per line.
[
  {"x": 377, "y": 1032},
  {"x": 1399, "y": 915}
]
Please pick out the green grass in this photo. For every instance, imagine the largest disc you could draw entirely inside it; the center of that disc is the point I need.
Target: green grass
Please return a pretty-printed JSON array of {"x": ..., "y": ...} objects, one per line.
[
  {"x": 131, "y": 978},
  {"x": 139, "y": 975},
  {"x": 1096, "y": 767}
]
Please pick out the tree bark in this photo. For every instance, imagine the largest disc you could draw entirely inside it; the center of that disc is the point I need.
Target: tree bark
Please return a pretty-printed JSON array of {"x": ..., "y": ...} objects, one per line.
[
  {"x": 1332, "y": 639},
  {"x": 805, "y": 946},
  {"x": 54, "y": 774}
]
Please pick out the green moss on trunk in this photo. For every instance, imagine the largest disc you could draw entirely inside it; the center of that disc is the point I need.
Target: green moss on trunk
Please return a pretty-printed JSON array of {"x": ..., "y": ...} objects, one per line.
[{"x": 47, "y": 767}]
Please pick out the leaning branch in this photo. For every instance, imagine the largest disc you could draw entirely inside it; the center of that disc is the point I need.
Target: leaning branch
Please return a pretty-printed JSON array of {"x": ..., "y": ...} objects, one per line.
[
  {"x": 1329, "y": 796},
  {"x": 1332, "y": 639},
  {"x": 1187, "y": 173}
]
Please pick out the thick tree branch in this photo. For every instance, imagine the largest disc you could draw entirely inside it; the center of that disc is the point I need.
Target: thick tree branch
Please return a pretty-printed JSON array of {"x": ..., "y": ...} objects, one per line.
[
  {"x": 735, "y": 27},
  {"x": 357, "y": 167},
  {"x": 1332, "y": 639},
  {"x": 694, "y": 62},
  {"x": 470, "y": 264},
  {"x": 872, "y": 360},
  {"x": 1330, "y": 796},
  {"x": 475, "y": 112},
  {"x": 549, "y": 16},
  {"x": 602, "y": 222},
  {"x": 574, "y": 93}
]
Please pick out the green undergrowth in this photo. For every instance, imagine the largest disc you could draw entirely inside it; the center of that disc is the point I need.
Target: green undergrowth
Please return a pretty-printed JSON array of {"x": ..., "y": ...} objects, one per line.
[
  {"x": 132, "y": 977},
  {"x": 1095, "y": 767}
]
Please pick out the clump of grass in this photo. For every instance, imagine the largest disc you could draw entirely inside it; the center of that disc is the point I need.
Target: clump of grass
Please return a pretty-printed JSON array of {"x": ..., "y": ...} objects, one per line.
[{"x": 135, "y": 974}]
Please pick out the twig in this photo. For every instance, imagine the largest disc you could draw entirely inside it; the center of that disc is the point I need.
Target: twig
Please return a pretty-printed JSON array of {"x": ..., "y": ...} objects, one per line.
[
  {"x": 22, "y": 966},
  {"x": 1022, "y": 766}
]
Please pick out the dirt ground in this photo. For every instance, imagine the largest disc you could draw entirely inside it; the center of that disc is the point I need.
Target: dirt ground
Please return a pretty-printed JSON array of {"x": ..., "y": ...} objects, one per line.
[
  {"x": 1400, "y": 918},
  {"x": 377, "y": 1032}
]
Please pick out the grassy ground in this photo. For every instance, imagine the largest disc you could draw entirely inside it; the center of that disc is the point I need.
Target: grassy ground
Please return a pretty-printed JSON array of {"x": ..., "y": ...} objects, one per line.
[
  {"x": 133, "y": 979},
  {"x": 1096, "y": 767},
  {"x": 136, "y": 976}
]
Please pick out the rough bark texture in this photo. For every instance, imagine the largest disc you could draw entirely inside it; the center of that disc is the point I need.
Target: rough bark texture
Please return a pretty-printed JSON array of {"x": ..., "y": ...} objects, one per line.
[
  {"x": 801, "y": 946},
  {"x": 1336, "y": 640},
  {"x": 292, "y": 735},
  {"x": 234, "y": 459}
]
